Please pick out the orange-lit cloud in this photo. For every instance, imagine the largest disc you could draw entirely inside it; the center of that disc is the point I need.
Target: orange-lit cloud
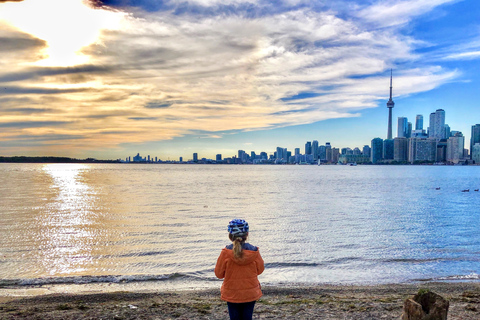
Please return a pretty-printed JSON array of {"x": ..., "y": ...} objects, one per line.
[{"x": 80, "y": 77}]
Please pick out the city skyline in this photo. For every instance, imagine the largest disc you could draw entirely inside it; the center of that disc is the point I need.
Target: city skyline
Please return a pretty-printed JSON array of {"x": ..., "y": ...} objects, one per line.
[{"x": 169, "y": 79}]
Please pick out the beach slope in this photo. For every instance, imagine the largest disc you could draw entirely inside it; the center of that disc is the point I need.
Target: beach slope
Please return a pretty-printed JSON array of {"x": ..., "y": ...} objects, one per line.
[{"x": 311, "y": 302}]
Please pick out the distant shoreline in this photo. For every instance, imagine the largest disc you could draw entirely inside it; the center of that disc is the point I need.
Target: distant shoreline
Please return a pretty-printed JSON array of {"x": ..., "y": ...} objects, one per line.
[
  {"x": 51, "y": 159},
  {"x": 295, "y": 302},
  {"x": 24, "y": 159}
]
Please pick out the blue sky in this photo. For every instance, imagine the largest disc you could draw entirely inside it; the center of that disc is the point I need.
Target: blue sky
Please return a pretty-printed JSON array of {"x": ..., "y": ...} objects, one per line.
[{"x": 108, "y": 79}]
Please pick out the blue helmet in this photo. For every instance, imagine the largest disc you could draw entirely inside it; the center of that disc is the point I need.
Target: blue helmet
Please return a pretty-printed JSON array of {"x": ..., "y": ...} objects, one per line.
[{"x": 238, "y": 227}]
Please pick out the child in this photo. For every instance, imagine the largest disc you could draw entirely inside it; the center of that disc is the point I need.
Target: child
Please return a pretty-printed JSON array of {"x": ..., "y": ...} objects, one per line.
[{"x": 239, "y": 264}]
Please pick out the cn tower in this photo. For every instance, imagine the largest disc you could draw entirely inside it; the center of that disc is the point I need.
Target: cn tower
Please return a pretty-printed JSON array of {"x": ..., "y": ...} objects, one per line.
[{"x": 390, "y": 105}]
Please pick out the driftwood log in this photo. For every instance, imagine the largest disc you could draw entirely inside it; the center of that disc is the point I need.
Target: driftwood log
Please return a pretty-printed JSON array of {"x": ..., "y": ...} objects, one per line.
[{"x": 425, "y": 305}]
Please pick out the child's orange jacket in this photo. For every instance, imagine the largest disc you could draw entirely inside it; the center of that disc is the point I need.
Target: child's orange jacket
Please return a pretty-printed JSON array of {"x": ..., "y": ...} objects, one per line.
[{"x": 240, "y": 282}]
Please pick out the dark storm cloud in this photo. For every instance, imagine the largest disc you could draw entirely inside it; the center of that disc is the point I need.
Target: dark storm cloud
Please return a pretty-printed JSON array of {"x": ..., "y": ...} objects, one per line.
[
  {"x": 33, "y": 124},
  {"x": 36, "y": 73}
]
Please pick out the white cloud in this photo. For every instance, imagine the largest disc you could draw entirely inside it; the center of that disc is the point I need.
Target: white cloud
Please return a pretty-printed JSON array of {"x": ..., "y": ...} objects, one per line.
[
  {"x": 464, "y": 56},
  {"x": 397, "y": 12},
  {"x": 160, "y": 75}
]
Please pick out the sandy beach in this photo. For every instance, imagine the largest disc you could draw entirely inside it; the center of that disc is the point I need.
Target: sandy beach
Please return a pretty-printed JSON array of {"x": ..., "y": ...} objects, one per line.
[{"x": 312, "y": 302}]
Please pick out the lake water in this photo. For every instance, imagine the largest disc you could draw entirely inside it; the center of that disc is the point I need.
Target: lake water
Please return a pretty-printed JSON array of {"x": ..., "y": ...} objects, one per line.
[{"x": 162, "y": 226}]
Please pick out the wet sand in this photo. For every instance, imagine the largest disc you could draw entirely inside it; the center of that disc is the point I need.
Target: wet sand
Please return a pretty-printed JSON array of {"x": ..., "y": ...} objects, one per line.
[{"x": 307, "y": 302}]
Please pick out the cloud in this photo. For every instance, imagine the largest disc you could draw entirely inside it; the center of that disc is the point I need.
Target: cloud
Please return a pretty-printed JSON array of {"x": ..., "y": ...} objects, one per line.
[
  {"x": 34, "y": 73},
  {"x": 397, "y": 12},
  {"x": 157, "y": 105},
  {"x": 161, "y": 74},
  {"x": 464, "y": 56},
  {"x": 32, "y": 124}
]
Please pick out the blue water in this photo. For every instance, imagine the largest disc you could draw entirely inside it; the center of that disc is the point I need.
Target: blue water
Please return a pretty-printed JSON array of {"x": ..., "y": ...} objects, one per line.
[{"x": 121, "y": 223}]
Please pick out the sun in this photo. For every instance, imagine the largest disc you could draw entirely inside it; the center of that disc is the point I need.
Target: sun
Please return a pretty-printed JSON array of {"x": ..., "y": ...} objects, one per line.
[{"x": 66, "y": 25}]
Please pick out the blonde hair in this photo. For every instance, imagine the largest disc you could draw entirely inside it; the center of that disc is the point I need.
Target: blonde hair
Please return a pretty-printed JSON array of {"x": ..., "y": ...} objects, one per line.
[{"x": 237, "y": 245}]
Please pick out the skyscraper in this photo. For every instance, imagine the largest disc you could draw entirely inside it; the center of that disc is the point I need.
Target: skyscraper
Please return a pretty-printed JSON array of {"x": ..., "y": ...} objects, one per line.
[
  {"x": 308, "y": 147},
  {"x": 390, "y": 105},
  {"x": 388, "y": 152},
  {"x": 315, "y": 149},
  {"x": 400, "y": 149},
  {"x": 402, "y": 127},
  {"x": 328, "y": 151},
  {"x": 476, "y": 153},
  {"x": 437, "y": 125},
  {"x": 376, "y": 150},
  {"x": 475, "y": 138},
  {"x": 455, "y": 147},
  {"x": 366, "y": 150},
  {"x": 422, "y": 149},
  {"x": 280, "y": 153},
  {"x": 419, "y": 122}
]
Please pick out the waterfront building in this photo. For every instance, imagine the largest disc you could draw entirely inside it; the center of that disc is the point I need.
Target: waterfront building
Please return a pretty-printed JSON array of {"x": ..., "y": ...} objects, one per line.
[
  {"x": 353, "y": 158},
  {"x": 475, "y": 137},
  {"x": 328, "y": 152},
  {"x": 400, "y": 149},
  {"x": 315, "y": 149},
  {"x": 448, "y": 132},
  {"x": 366, "y": 150},
  {"x": 279, "y": 153},
  {"x": 297, "y": 151},
  {"x": 388, "y": 149},
  {"x": 322, "y": 153},
  {"x": 442, "y": 150},
  {"x": 437, "y": 125},
  {"x": 455, "y": 146},
  {"x": 218, "y": 157},
  {"x": 335, "y": 155},
  {"x": 309, "y": 158},
  {"x": 475, "y": 152},
  {"x": 242, "y": 156},
  {"x": 402, "y": 127},
  {"x": 180, "y": 159},
  {"x": 138, "y": 158},
  {"x": 308, "y": 147},
  {"x": 422, "y": 149},
  {"x": 419, "y": 134},
  {"x": 419, "y": 122},
  {"x": 376, "y": 150},
  {"x": 357, "y": 151},
  {"x": 263, "y": 156},
  {"x": 253, "y": 155},
  {"x": 195, "y": 157},
  {"x": 390, "y": 105},
  {"x": 409, "y": 130}
]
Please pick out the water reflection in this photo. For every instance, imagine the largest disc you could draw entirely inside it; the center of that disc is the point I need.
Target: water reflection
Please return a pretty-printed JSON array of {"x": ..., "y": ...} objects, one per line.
[{"x": 66, "y": 223}]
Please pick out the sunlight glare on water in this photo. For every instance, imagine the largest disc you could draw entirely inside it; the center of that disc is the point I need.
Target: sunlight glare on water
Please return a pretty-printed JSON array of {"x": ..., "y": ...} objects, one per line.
[
  {"x": 65, "y": 226},
  {"x": 313, "y": 224}
]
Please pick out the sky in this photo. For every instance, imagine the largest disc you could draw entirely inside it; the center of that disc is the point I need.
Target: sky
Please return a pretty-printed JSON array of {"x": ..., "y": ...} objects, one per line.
[{"x": 112, "y": 78}]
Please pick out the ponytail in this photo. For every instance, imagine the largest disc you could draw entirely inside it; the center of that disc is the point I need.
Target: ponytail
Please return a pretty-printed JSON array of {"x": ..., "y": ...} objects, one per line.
[{"x": 237, "y": 245}]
